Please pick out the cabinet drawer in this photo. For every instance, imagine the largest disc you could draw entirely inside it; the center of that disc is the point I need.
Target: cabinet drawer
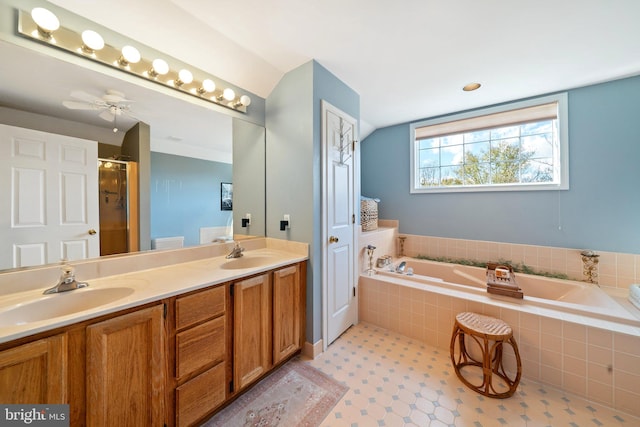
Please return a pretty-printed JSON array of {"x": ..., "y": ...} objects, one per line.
[
  {"x": 199, "y": 396},
  {"x": 200, "y": 346},
  {"x": 201, "y": 306}
]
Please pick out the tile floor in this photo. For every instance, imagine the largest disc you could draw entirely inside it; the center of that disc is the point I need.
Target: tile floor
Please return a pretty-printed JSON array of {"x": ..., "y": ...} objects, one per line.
[{"x": 398, "y": 381}]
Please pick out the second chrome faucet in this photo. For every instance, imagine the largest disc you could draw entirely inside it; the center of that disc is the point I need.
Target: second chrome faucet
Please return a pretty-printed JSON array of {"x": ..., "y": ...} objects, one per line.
[{"x": 236, "y": 252}]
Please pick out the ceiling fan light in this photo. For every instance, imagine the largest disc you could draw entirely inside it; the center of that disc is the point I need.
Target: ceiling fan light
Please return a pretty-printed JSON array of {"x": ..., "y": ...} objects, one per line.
[
  {"x": 46, "y": 20},
  {"x": 130, "y": 55},
  {"x": 228, "y": 94},
  {"x": 92, "y": 41}
]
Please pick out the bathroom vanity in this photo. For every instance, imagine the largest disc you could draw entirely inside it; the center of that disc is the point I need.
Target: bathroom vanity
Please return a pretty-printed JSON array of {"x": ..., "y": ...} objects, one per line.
[{"x": 169, "y": 353}]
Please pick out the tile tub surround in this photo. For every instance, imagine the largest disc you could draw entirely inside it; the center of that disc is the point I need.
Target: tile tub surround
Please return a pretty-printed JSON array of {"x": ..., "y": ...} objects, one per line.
[
  {"x": 614, "y": 269},
  {"x": 591, "y": 362}
]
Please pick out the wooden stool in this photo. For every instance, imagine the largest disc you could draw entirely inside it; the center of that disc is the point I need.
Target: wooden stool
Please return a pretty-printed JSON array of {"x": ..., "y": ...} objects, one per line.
[{"x": 483, "y": 329}]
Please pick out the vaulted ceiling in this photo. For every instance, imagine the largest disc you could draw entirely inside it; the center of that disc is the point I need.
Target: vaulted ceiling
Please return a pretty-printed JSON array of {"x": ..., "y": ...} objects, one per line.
[{"x": 407, "y": 59}]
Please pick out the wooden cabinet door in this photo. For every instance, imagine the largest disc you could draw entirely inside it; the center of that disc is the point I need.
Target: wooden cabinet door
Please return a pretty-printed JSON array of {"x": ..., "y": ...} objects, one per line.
[
  {"x": 126, "y": 370},
  {"x": 286, "y": 312},
  {"x": 35, "y": 373},
  {"x": 251, "y": 329}
]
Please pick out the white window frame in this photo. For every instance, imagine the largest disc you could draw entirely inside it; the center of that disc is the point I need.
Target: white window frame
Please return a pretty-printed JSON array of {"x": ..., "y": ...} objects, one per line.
[{"x": 563, "y": 148}]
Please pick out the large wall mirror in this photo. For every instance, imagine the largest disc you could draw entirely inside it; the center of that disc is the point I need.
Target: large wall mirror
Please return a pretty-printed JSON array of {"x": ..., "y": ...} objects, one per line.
[{"x": 207, "y": 167}]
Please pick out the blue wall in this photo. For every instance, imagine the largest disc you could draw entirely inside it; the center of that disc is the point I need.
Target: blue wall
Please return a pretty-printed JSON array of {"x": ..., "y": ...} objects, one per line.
[
  {"x": 185, "y": 195},
  {"x": 600, "y": 211},
  {"x": 294, "y": 174}
]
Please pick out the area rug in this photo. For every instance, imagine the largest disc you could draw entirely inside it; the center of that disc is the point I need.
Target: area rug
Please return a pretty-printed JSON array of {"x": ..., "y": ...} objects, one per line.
[{"x": 296, "y": 394}]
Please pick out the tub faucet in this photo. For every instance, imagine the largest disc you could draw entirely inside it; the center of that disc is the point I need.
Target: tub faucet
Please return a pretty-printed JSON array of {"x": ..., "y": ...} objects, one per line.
[
  {"x": 67, "y": 282},
  {"x": 236, "y": 252},
  {"x": 400, "y": 268}
]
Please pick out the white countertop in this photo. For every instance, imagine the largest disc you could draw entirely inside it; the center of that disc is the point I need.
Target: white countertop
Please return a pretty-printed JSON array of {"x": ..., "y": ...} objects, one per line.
[{"x": 143, "y": 286}]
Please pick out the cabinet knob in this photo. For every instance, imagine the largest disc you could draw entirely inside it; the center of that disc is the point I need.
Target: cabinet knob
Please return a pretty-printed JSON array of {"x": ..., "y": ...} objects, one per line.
[
  {"x": 333, "y": 239},
  {"x": 92, "y": 232}
]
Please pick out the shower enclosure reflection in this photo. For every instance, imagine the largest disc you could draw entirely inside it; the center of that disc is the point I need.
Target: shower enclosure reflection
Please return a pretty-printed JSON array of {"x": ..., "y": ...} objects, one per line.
[{"x": 117, "y": 206}]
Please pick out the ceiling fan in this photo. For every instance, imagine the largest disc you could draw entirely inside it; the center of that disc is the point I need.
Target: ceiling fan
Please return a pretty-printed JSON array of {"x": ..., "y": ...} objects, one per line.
[{"x": 111, "y": 105}]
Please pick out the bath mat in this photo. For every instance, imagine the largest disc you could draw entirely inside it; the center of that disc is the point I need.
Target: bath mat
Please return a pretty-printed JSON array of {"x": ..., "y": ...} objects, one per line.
[{"x": 296, "y": 394}]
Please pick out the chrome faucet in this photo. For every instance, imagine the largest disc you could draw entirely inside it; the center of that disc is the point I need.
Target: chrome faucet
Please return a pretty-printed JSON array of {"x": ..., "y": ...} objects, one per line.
[
  {"x": 236, "y": 252},
  {"x": 67, "y": 282}
]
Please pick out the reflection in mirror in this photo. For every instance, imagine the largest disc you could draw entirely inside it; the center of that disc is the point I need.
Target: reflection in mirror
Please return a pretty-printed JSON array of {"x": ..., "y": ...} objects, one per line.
[
  {"x": 185, "y": 201},
  {"x": 249, "y": 172},
  {"x": 187, "y": 154},
  {"x": 117, "y": 192}
]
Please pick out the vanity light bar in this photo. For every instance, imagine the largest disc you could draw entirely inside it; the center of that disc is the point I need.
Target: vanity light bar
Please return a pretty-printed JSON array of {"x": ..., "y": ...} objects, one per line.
[{"x": 129, "y": 60}]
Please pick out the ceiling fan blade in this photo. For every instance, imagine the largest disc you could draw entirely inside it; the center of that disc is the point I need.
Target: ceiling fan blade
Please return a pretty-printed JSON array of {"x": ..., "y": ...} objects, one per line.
[
  {"x": 84, "y": 96},
  {"x": 107, "y": 115},
  {"x": 77, "y": 105},
  {"x": 115, "y": 97}
]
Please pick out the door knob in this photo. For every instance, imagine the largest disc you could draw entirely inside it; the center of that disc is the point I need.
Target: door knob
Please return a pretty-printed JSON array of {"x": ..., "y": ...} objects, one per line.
[
  {"x": 92, "y": 231},
  {"x": 333, "y": 239}
]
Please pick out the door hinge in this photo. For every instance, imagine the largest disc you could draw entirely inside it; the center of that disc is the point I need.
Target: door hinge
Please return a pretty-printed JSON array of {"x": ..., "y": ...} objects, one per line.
[
  {"x": 231, "y": 289},
  {"x": 230, "y": 386},
  {"x": 353, "y": 218},
  {"x": 354, "y": 291},
  {"x": 164, "y": 310}
]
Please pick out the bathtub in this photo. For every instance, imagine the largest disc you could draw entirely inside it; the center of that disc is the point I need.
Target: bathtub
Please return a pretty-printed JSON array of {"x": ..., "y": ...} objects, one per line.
[{"x": 564, "y": 296}]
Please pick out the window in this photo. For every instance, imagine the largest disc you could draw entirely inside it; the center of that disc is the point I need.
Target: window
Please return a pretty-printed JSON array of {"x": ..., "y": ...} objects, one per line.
[{"x": 519, "y": 146}]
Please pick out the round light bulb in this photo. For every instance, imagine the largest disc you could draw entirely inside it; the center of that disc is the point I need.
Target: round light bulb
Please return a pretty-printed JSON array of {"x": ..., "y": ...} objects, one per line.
[
  {"x": 160, "y": 66},
  {"x": 185, "y": 76},
  {"x": 208, "y": 85},
  {"x": 45, "y": 19},
  {"x": 229, "y": 94},
  {"x": 245, "y": 100},
  {"x": 131, "y": 54},
  {"x": 92, "y": 40}
]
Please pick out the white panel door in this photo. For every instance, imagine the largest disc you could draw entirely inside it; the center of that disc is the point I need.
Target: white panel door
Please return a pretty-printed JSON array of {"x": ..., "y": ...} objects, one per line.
[
  {"x": 50, "y": 211},
  {"x": 339, "y": 134}
]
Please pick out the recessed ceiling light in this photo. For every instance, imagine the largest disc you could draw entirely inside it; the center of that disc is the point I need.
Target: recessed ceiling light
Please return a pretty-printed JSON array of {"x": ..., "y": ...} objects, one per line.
[{"x": 471, "y": 86}]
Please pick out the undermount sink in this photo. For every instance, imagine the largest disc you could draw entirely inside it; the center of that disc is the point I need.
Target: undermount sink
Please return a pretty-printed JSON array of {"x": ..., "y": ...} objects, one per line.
[
  {"x": 247, "y": 262},
  {"x": 62, "y": 304}
]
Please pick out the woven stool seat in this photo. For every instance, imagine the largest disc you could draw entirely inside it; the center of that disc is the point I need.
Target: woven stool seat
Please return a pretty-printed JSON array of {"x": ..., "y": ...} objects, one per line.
[
  {"x": 490, "y": 334},
  {"x": 479, "y": 324}
]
